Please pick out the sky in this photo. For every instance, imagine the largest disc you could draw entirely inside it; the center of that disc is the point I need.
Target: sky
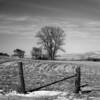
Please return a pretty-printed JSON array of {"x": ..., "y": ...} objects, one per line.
[{"x": 20, "y": 20}]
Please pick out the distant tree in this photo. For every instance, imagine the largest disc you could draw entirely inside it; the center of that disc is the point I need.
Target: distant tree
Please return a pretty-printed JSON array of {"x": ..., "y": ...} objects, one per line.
[
  {"x": 36, "y": 53},
  {"x": 18, "y": 52},
  {"x": 4, "y": 54},
  {"x": 51, "y": 39},
  {"x": 93, "y": 59}
]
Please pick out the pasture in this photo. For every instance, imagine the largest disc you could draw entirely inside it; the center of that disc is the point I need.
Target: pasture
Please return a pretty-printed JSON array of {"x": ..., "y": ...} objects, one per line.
[{"x": 38, "y": 73}]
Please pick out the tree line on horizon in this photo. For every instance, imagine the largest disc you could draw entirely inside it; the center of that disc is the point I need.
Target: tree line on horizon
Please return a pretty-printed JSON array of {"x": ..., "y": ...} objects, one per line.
[{"x": 50, "y": 40}]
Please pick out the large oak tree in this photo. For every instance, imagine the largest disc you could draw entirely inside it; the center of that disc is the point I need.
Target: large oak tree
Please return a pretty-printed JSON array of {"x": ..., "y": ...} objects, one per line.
[{"x": 52, "y": 39}]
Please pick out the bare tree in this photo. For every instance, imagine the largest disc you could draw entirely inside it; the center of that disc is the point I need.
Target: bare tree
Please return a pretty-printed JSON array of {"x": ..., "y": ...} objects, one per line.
[{"x": 51, "y": 38}]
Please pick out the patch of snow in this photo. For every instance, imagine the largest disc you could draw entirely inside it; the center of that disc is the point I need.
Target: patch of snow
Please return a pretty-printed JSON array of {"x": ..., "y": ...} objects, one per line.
[
  {"x": 60, "y": 95},
  {"x": 36, "y": 93},
  {"x": 46, "y": 93}
]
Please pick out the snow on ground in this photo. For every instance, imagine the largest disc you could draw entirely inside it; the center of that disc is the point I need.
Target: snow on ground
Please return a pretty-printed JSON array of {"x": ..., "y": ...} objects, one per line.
[
  {"x": 36, "y": 93},
  {"x": 39, "y": 94}
]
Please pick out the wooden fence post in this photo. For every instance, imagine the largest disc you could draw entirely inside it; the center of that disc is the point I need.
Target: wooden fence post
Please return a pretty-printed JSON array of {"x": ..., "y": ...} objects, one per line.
[
  {"x": 21, "y": 76},
  {"x": 77, "y": 80}
]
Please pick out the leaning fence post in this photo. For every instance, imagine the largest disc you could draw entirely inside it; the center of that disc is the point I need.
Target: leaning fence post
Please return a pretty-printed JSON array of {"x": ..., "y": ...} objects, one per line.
[
  {"x": 77, "y": 80},
  {"x": 21, "y": 76}
]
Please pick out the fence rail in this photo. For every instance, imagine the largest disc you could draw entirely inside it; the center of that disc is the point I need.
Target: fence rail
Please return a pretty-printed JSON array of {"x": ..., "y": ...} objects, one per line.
[
  {"x": 77, "y": 80},
  {"x": 77, "y": 73},
  {"x": 51, "y": 83}
]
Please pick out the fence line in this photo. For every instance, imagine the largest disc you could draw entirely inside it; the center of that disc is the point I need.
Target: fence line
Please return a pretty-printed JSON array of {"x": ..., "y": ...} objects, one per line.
[
  {"x": 77, "y": 80},
  {"x": 51, "y": 83},
  {"x": 86, "y": 73}
]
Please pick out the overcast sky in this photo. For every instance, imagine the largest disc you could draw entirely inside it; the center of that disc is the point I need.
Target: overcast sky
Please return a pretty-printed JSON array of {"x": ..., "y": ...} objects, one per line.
[{"x": 20, "y": 20}]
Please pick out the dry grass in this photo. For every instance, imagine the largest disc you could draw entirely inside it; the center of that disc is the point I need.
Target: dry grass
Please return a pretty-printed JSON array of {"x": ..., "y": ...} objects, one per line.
[{"x": 38, "y": 73}]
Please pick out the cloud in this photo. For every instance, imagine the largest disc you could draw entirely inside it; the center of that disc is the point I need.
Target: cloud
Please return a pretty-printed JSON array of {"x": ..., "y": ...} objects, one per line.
[
  {"x": 17, "y": 18},
  {"x": 26, "y": 26},
  {"x": 92, "y": 27},
  {"x": 16, "y": 25}
]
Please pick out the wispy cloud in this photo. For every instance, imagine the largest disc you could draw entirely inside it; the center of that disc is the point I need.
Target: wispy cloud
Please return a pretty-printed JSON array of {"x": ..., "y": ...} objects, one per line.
[{"x": 27, "y": 26}]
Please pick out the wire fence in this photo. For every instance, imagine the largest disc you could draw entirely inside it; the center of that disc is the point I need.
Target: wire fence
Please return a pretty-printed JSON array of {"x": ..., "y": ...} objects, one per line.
[{"x": 39, "y": 73}]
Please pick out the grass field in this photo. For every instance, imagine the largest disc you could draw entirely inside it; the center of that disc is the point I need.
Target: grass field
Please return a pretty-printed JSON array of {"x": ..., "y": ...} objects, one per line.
[
  {"x": 35, "y": 73},
  {"x": 38, "y": 73}
]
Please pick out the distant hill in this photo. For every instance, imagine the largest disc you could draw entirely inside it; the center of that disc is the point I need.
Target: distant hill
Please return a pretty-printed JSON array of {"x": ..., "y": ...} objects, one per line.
[
  {"x": 93, "y": 54},
  {"x": 84, "y": 56}
]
